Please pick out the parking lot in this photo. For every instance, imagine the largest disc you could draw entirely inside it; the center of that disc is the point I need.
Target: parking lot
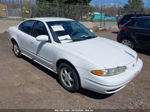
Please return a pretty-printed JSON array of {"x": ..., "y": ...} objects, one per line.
[{"x": 24, "y": 85}]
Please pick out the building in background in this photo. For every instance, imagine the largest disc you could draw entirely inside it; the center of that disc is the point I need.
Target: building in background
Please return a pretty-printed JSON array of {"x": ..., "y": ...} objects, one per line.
[
  {"x": 3, "y": 10},
  {"x": 17, "y": 1},
  {"x": 16, "y": 8},
  {"x": 101, "y": 16}
]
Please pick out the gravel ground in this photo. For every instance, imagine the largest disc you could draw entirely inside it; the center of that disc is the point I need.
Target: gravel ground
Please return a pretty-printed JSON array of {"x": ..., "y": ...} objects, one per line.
[
  {"x": 4, "y": 24},
  {"x": 24, "y": 85}
]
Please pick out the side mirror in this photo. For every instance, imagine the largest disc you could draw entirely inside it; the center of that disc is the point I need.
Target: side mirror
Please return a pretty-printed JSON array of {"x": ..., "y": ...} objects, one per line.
[{"x": 42, "y": 38}]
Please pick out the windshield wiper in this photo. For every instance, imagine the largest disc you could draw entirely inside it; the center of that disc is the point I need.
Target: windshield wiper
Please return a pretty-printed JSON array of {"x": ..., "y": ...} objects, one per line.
[
  {"x": 65, "y": 39},
  {"x": 84, "y": 38},
  {"x": 80, "y": 39},
  {"x": 88, "y": 37}
]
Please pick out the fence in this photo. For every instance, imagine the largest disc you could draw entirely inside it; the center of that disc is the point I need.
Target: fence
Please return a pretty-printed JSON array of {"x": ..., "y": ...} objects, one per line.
[
  {"x": 99, "y": 13},
  {"x": 77, "y": 12}
]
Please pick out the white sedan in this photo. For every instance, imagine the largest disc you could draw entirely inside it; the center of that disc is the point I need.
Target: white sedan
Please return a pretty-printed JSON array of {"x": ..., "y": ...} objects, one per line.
[{"x": 76, "y": 54}]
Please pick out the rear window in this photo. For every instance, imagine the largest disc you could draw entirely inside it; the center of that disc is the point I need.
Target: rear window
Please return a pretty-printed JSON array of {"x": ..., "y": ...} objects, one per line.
[
  {"x": 126, "y": 17},
  {"x": 130, "y": 23}
]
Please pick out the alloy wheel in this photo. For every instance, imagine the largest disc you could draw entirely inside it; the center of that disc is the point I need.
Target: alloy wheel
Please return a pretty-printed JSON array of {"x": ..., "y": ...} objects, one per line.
[
  {"x": 128, "y": 43},
  {"x": 16, "y": 50},
  {"x": 67, "y": 80}
]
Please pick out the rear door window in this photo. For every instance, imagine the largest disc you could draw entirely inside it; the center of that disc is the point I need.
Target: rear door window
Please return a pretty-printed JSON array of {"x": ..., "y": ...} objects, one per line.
[
  {"x": 26, "y": 26},
  {"x": 143, "y": 23}
]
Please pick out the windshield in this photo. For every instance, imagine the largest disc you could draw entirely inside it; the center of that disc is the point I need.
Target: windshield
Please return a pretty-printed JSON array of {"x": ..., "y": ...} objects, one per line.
[{"x": 70, "y": 31}]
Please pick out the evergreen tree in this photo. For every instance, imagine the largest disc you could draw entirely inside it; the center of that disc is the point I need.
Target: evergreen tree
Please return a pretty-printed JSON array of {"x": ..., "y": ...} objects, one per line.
[{"x": 134, "y": 6}]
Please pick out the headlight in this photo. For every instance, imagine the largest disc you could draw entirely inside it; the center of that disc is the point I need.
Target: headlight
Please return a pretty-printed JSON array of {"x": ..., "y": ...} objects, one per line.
[{"x": 109, "y": 72}]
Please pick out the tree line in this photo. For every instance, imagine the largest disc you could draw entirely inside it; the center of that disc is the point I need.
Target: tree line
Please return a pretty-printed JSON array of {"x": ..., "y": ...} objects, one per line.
[
  {"x": 74, "y": 2},
  {"x": 134, "y": 6}
]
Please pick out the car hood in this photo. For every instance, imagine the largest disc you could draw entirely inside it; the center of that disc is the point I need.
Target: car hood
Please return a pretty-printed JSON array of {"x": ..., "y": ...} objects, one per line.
[{"x": 103, "y": 52}]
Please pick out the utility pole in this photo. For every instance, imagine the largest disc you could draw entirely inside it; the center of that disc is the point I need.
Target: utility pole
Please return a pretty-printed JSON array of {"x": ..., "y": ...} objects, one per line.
[
  {"x": 100, "y": 13},
  {"x": 104, "y": 13},
  {"x": 21, "y": 5},
  {"x": 117, "y": 9}
]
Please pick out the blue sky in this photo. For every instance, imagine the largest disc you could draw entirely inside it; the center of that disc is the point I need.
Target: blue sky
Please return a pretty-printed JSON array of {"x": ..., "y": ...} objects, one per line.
[{"x": 121, "y": 2}]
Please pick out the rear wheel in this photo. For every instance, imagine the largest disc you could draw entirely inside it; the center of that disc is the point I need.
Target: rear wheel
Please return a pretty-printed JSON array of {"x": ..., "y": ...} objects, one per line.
[
  {"x": 68, "y": 77},
  {"x": 16, "y": 50},
  {"x": 128, "y": 43}
]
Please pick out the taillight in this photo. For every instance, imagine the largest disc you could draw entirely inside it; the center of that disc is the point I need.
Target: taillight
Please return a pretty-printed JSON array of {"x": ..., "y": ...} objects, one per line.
[{"x": 124, "y": 28}]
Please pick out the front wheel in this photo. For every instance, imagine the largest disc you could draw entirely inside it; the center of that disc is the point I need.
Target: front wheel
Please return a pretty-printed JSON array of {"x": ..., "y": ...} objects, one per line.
[
  {"x": 68, "y": 77},
  {"x": 16, "y": 50},
  {"x": 128, "y": 43}
]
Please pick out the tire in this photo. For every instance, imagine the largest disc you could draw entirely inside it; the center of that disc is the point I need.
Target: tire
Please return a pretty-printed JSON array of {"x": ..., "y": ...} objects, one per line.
[
  {"x": 16, "y": 50},
  {"x": 68, "y": 77},
  {"x": 128, "y": 43}
]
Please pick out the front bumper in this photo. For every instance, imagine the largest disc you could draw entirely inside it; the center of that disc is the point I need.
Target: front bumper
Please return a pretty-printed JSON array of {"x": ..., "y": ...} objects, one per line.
[{"x": 110, "y": 84}]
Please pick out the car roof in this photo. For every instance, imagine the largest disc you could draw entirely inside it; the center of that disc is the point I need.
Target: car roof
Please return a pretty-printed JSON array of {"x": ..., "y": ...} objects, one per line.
[
  {"x": 48, "y": 19},
  {"x": 136, "y": 14},
  {"x": 141, "y": 17}
]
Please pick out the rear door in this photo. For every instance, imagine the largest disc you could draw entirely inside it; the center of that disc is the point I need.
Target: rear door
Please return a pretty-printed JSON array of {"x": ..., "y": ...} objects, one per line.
[
  {"x": 25, "y": 37},
  {"x": 142, "y": 32}
]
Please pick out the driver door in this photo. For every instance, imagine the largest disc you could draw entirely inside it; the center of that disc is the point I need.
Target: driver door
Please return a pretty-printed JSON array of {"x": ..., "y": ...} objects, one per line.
[{"x": 43, "y": 50}]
